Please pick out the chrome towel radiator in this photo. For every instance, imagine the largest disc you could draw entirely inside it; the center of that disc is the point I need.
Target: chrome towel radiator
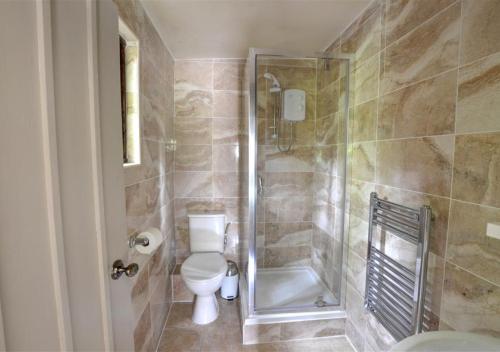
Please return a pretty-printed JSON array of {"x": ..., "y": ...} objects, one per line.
[{"x": 394, "y": 294}]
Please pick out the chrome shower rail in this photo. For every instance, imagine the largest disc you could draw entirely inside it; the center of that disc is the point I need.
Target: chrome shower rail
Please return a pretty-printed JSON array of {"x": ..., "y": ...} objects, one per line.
[{"x": 394, "y": 294}]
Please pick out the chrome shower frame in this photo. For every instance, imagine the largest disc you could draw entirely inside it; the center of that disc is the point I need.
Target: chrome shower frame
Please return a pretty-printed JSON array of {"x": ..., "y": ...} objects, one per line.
[{"x": 328, "y": 312}]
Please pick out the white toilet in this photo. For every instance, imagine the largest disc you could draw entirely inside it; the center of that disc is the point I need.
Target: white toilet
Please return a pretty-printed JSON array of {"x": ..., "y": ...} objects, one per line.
[{"x": 205, "y": 268}]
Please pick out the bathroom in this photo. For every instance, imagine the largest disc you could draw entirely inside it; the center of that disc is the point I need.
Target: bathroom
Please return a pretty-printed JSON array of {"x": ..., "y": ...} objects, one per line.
[{"x": 160, "y": 153}]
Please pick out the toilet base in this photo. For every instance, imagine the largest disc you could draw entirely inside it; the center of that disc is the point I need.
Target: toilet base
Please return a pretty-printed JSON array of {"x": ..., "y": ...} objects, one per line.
[{"x": 206, "y": 309}]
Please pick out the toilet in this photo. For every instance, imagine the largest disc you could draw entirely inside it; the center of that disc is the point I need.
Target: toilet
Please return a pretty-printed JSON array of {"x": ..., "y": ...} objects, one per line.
[{"x": 204, "y": 270}]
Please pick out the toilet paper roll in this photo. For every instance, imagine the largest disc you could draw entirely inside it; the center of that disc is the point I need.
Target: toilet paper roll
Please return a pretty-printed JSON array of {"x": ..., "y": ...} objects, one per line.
[{"x": 155, "y": 239}]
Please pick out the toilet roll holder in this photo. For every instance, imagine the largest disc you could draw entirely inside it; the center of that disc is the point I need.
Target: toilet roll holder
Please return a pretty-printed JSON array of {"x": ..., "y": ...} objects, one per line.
[{"x": 138, "y": 241}]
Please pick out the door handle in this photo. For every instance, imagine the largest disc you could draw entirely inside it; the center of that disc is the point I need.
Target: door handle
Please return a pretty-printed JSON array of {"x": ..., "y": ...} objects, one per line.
[{"x": 119, "y": 269}]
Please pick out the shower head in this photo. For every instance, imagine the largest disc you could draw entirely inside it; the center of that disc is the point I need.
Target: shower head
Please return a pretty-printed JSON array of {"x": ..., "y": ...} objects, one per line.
[{"x": 276, "y": 84}]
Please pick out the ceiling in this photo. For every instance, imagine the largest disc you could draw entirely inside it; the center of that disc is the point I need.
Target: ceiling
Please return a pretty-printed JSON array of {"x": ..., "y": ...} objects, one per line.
[{"x": 228, "y": 28}]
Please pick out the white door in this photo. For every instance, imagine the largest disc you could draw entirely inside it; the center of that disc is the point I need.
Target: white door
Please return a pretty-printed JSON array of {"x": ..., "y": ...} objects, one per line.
[
  {"x": 86, "y": 51},
  {"x": 62, "y": 205},
  {"x": 87, "y": 96},
  {"x": 113, "y": 175}
]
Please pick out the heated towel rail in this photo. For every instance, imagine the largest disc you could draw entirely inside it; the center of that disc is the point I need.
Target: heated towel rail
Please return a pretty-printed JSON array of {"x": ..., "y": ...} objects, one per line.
[{"x": 394, "y": 294}]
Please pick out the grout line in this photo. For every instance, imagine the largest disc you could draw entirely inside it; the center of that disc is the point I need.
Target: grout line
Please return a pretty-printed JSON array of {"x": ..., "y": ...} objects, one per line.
[
  {"x": 423, "y": 23},
  {"x": 475, "y": 61},
  {"x": 472, "y": 273},
  {"x": 448, "y": 226},
  {"x": 411, "y": 84},
  {"x": 400, "y": 189}
]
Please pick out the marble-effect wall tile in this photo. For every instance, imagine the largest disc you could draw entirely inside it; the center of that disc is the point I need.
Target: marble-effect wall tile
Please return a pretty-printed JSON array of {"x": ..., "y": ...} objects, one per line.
[
  {"x": 470, "y": 303},
  {"x": 475, "y": 179},
  {"x": 468, "y": 245},
  {"x": 478, "y": 96},
  {"x": 424, "y": 109},
  {"x": 401, "y": 163},
  {"x": 480, "y": 29},
  {"x": 404, "y": 16},
  {"x": 429, "y": 50}
]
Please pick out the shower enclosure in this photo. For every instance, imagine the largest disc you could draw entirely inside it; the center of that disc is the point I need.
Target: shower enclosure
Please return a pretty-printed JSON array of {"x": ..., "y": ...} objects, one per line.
[{"x": 297, "y": 111}]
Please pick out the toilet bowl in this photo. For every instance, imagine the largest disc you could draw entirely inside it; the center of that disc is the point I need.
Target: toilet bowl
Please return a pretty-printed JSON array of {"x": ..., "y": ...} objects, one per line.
[{"x": 203, "y": 273}]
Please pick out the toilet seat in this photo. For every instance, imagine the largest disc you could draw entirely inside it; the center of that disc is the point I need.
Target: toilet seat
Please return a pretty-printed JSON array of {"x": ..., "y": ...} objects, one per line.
[{"x": 204, "y": 267}]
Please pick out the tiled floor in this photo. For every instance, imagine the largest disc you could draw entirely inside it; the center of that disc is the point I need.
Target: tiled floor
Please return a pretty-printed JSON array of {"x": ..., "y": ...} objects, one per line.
[{"x": 224, "y": 335}]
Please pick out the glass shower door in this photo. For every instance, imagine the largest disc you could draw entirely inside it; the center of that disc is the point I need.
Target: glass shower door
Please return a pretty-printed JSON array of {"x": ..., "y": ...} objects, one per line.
[{"x": 299, "y": 182}]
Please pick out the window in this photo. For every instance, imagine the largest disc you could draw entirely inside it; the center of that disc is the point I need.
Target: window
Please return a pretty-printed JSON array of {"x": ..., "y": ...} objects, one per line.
[{"x": 129, "y": 83}]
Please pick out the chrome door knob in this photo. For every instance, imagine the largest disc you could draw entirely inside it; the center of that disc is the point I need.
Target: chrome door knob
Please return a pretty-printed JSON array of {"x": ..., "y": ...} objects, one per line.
[{"x": 119, "y": 269}]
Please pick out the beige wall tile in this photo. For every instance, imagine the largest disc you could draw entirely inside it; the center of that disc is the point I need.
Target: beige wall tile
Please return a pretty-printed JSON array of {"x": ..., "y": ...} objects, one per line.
[
  {"x": 403, "y": 16},
  {"x": 151, "y": 118},
  {"x": 230, "y": 184},
  {"x": 329, "y": 159},
  {"x": 363, "y": 39},
  {"x": 228, "y": 75},
  {"x": 287, "y": 256},
  {"x": 355, "y": 337},
  {"x": 470, "y": 303},
  {"x": 423, "y": 109},
  {"x": 327, "y": 130},
  {"x": 288, "y": 234},
  {"x": 149, "y": 191},
  {"x": 193, "y": 75},
  {"x": 363, "y": 119},
  {"x": 429, "y": 50},
  {"x": 377, "y": 337},
  {"x": 228, "y": 104},
  {"x": 434, "y": 285},
  {"x": 365, "y": 80},
  {"x": 227, "y": 158},
  {"x": 480, "y": 29},
  {"x": 324, "y": 217},
  {"x": 468, "y": 245},
  {"x": 152, "y": 163},
  {"x": 193, "y": 103},
  {"x": 291, "y": 208},
  {"x": 328, "y": 71},
  {"x": 356, "y": 272},
  {"x": 193, "y": 158},
  {"x": 229, "y": 131},
  {"x": 360, "y": 198},
  {"x": 296, "y": 76},
  {"x": 327, "y": 100},
  {"x": 281, "y": 184},
  {"x": 363, "y": 160},
  {"x": 193, "y": 184},
  {"x": 477, "y": 169},
  {"x": 479, "y": 96},
  {"x": 421, "y": 164},
  {"x": 358, "y": 236},
  {"x": 193, "y": 131},
  {"x": 299, "y": 159},
  {"x": 325, "y": 187},
  {"x": 143, "y": 198}
]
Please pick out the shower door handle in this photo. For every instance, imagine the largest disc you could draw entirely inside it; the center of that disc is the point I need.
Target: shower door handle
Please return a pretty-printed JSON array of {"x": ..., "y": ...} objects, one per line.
[{"x": 260, "y": 186}]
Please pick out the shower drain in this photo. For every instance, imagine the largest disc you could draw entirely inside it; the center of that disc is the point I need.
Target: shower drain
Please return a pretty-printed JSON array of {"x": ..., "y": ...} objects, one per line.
[{"x": 320, "y": 302}]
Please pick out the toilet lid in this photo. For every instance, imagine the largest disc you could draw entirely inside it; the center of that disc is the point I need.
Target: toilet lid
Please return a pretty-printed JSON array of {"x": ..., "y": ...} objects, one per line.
[{"x": 203, "y": 266}]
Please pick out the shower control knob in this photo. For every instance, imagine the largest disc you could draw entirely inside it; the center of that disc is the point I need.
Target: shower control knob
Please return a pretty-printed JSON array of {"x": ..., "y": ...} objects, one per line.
[{"x": 119, "y": 269}]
